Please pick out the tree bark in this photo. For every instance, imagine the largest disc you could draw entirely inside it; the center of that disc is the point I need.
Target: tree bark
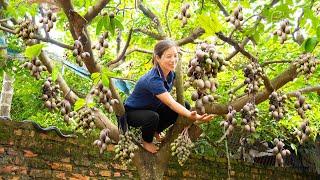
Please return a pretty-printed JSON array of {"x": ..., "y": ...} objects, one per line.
[{"x": 6, "y": 96}]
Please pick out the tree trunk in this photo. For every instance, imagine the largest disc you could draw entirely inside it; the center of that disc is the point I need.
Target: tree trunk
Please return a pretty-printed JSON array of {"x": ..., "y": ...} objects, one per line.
[
  {"x": 153, "y": 166},
  {"x": 6, "y": 96}
]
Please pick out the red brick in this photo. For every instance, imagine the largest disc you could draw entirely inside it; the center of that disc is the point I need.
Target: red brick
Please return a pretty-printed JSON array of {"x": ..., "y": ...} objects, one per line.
[
  {"x": 117, "y": 174},
  {"x": 65, "y": 160},
  {"x": 29, "y": 154},
  {"x": 172, "y": 172},
  {"x": 105, "y": 173},
  {"x": 41, "y": 173},
  {"x": 60, "y": 175},
  {"x": 79, "y": 176},
  {"x": 32, "y": 134},
  {"x": 101, "y": 165},
  {"x": 118, "y": 166},
  {"x": 12, "y": 152},
  {"x": 188, "y": 174},
  {"x": 61, "y": 166},
  {"x": 43, "y": 136},
  {"x": 8, "y": 169},
  {"x": 18, "y": 132},
  {"x": 23, "y": 170},
  {"x": 1, "y": 150}
]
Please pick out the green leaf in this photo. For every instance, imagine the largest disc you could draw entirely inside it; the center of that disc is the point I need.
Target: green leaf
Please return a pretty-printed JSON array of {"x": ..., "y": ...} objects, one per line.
[
  {"x": 106, "y": 22},
  {"x": 318, "y": 32},
  {"x": 294, "y": 147},
  {"x": 91, "y": 104},
  {"x": 112, "y": 26},
  {"x": 99, "y": 26},
  {"x": 210, "y": 23},
  {"x": 118, "y": 24},
  {"x": 105, "y": 80},
  {"x": 33, "y": 51},
  {"x": 55, "y": 73},
  {"x": 105, "y": 75},
  {"x": 79, "y": 104},
  {"x": 310, "y": 44},
  {"x": 95, "y": 77}
]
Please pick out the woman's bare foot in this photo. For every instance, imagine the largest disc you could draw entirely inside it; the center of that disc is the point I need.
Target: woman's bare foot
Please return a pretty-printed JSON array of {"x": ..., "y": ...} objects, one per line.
[{"x": 150, "y": 147}]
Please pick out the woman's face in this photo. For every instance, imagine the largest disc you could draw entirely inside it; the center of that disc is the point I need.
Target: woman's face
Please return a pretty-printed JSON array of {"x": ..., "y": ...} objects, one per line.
[{"x": 168, "y": 60}]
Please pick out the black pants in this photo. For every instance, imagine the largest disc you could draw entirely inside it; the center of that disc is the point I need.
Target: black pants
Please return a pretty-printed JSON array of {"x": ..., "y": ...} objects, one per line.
[{"x": 152, "y": 121}]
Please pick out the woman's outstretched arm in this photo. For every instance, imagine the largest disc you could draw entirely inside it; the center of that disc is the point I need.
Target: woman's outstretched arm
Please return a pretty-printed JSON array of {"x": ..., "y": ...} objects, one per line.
[{"x": 168, "y": 100}]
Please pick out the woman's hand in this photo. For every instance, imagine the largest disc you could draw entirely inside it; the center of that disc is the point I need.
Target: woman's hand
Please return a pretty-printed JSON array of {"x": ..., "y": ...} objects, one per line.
[{"x": 203, "y": 118}]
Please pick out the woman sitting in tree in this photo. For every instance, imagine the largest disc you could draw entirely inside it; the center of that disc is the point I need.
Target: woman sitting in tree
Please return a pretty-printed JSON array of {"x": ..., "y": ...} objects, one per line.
[{"x": 150, "y": 106}]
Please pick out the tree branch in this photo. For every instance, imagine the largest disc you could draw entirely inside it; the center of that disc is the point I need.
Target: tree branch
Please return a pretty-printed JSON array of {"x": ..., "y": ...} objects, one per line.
[
  {"x": 138, "y": 50},
  {"x": 123, "y": 51},
  {"x": 147, "y": 12},
  {"x": 47, "y": 39},
  {"x": 79, "y": 31},
  {"x": 236, "y": 46},
  {"x": 54, "y": 42},
  {"x": 267, "y": 83},
  {"x": 7, "y": 29},
  {"x": 95, "y": 10},
  {"x": 194, "y": 35},
  {"x": 166, "y": 15},
  {"x": 44, "y": 25},
  {"x": 279, "y": 81},
  {"x": 68, "y": 93},
  {"x": 221, "y": 7},
  {"x": 297, "y": 28},
  {"x": 274, "y": 62},
  {"x": 305, "y": 90},
  {"x": 149, "y": 33},
  {"x": 102, "y": 120}
]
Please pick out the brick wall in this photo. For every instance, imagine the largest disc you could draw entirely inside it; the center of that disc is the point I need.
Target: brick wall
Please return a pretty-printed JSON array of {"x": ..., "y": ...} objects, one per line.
[{"x": 28, "y": 154}]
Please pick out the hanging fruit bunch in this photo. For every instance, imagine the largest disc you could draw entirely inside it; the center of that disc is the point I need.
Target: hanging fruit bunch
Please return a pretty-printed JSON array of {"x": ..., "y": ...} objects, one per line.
[
  {"x": 316, "y": 8},
  {"x": 306, "y": 64},
  {"x": 85, "y": 120},
  {"x": 27, "y": 30},
  {"x": 66, "y": 111},
  {"x": 249, "y": 115},
  {"x": 125, "y": 148},
  {"x": 303, "y": 132},
  {"x": 181, "y": 147},
  {"x": 276, "y": 107},
  {"x": 203, "y": 68},
  {"x": 301, "y": 106},
  {"x": 79, "y": 53},
  {"x": 36, "y": 67},
  {"x": 253, "y": 73},
  {"x": 51, "y": 94},
  {"x": 102, "y": 44},
  {"x": 48, "y": 19},
  {"x": 104, "y": 96},
  {"x": 184, "y": 15},
  {"x": 103, "y": 140},
  {"x": 283, "y": 31},
  {"x": 236, "y": 17},
  {"x": 230, "y": 121},
  {"x": 280, "y": 152}
]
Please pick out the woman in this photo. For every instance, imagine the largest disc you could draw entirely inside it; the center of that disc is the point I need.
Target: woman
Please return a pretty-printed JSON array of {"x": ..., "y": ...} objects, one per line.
[{"x": 150, "y": 106}]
